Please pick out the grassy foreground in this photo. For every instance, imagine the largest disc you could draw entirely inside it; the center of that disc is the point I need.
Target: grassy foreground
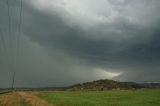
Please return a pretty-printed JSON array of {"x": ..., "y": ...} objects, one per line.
[{"x": 143, "y": 97}]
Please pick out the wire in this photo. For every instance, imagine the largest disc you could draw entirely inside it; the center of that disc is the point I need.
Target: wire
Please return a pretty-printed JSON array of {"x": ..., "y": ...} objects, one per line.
[
  {"x": 16, "y": 48},
  {"x": 4, "y": 45},
  {"x": 18, "y": 36},
  {"x": 17, "y": 59},
  {"x": 19, "y": 28},
  {"x": 9, "y": 24},
  {"x": 10, "y": 43}
]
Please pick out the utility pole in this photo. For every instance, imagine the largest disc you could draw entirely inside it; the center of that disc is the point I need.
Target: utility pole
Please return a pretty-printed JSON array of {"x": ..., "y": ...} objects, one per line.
[{"x": 13, "y": 80}]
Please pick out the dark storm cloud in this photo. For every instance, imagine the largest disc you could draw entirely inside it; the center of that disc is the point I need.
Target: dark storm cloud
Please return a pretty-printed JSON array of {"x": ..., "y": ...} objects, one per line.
[{"x": 69, "y": 41}]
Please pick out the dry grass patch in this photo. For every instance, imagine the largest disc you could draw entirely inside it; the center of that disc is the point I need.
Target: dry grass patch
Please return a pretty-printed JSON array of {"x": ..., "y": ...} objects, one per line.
[
  {"x": 12, "y": 99},
  {"x": 33, "y": 100},
  {"x": 22, "y": 99}
]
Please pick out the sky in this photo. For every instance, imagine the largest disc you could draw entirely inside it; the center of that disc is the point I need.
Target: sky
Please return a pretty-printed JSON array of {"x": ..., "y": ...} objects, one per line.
[{"x": 64, "y": 42}]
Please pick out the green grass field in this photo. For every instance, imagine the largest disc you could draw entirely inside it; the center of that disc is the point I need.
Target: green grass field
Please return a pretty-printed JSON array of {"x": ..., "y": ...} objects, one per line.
[{"x": 143, "y": 97}]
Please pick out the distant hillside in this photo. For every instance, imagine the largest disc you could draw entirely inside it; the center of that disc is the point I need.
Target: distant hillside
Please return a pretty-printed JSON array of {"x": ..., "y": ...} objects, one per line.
[
  {"x": 152, "y": 85},
  {"x": 95, "y": 85},
  {"x": 106, "y": 85}
]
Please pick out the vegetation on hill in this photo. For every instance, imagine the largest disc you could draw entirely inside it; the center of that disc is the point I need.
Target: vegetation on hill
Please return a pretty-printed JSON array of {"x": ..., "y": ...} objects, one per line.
[{"x": 105, "y": 85}]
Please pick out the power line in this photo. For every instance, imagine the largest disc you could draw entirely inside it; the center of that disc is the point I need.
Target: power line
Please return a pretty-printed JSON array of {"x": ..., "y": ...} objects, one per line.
[
  {"x": 10, "y": 47},
  {"x": 2, "y": 38},
  {"x": 17, "y": 61},
  {"x": 4, "y": 44},
  {"x": 16, "y": 54},
  {"x": 9, "y": 24},
  {"x": 19, "y": 30},
  {"x": 19, "y": 27},
  {"x": 12, "y": 67}
]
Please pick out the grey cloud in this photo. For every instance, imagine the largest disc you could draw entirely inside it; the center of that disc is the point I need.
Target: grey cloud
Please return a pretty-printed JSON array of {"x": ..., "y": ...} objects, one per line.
[{"x": 58, "y": 52}]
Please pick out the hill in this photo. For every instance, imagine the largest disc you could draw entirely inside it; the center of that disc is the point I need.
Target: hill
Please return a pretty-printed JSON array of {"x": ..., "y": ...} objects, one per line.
[
  {"x": 94, "y": 85},
  {"x": 106, "y": 85}
]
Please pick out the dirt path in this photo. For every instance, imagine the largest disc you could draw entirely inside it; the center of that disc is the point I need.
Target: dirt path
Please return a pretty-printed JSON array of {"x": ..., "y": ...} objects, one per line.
[{"x": 22, "y": 99}]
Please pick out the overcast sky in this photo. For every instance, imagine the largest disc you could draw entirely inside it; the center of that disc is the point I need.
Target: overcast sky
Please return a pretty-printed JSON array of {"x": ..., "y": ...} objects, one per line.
[{"x": 63, "y": 42}]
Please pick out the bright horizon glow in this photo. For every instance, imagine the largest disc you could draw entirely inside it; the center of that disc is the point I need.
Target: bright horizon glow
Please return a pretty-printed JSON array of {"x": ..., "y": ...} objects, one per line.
[{"x": 105, "y": 74}]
